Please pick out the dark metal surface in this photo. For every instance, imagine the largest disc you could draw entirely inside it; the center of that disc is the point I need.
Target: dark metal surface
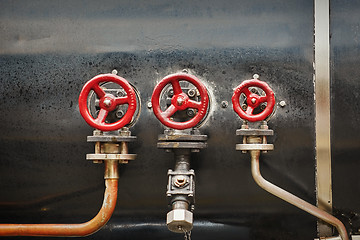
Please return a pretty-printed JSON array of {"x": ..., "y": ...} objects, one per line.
[
  {"x": 49, "y": 49},
  {"x": 345, "y": 110}
]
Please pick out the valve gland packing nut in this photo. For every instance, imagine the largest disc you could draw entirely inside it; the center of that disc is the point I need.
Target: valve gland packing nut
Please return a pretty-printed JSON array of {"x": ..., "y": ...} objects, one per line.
[{"x": 181, "y": 181}]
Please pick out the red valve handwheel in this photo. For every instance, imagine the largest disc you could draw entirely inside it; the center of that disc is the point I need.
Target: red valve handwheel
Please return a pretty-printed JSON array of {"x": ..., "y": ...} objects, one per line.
[
  {"x": 107, "y": 102},
  {"x": 180, "y": 101},
  {"x": 253, "y": 100}
]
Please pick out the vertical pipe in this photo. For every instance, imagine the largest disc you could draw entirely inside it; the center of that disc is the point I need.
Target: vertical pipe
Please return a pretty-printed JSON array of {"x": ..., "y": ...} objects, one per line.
[
  {"x": 322, "y": 117},
  {"x": 182, "y": 160}
]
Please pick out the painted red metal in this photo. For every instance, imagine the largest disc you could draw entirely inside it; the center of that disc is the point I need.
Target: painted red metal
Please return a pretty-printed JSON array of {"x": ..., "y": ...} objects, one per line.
[
  {"x": 180, "y": 101},
  {"x": 71, "y": 230},
  {"x": 253, "y": 100},
  {"x": 107, "y": 102}
]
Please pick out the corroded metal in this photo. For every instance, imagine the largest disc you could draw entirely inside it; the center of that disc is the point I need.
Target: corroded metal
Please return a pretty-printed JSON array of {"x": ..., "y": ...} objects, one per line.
[
  {"x": 106, "y": 156},
  {"x": 182, "y": 137},
  {"x": 254, "y": 132},
  {"x": 111, "y": 149},
  {"x": 111, "y": 138},
  {"x": 69, "y": 230},
  {"x": 181, "y": 180},
  {"x": 184, "y": 145},
  {"x": 247, "y": 147}
]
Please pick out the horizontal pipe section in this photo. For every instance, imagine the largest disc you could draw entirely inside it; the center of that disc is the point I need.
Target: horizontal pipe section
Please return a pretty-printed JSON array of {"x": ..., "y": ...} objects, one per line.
[
  {"x": 71, "y": 230},
  {"x": 292, "y": 199}
]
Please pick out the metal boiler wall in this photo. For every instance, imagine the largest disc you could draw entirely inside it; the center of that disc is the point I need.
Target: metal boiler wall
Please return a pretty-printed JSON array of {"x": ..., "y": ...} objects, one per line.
[{"x": 50, "y": 49}]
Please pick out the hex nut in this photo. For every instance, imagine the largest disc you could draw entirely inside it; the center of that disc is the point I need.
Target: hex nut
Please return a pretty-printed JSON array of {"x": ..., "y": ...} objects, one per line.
[
  {"x": 224, "y": 104},
  {"x": 190, "y": 112},
  {"x": 119, "y": 114},
  {"x": 282, "y": 103},
  {"x": 179, "y": 220},
  {"x": 191, "y": 92}
]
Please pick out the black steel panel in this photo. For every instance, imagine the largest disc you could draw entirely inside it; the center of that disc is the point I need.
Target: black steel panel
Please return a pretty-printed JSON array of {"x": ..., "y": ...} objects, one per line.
[
  {"x": 50, "y": 49},
  {"x": 345, "y": 50}
]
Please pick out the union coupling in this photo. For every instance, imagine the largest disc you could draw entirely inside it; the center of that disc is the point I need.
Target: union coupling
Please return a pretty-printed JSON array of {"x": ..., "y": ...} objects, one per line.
[{"x": 111, "y": 147}]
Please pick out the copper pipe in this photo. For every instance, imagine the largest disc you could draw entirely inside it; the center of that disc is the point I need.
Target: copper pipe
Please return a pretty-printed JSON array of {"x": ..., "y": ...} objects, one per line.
[
  {"x": 72, "y": 230},
  {"x": 292, "y": 199}
]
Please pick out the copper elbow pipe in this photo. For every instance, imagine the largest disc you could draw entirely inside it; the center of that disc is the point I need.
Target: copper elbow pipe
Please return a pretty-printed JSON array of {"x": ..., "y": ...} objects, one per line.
[
  {"x": 72, "y": 230},
  {"x": 292, "y": 199}
]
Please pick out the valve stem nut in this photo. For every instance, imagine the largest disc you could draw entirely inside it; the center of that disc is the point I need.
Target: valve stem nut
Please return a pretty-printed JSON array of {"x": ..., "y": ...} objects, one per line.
[{"x": 180, "y": 181}]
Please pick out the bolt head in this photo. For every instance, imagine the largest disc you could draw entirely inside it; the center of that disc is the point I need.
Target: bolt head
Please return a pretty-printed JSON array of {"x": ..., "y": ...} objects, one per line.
[
  {"x": 224, "y": 104},
  {"x": 114, "y": 71},
  {"x": 149, "y": 105},
  {"x": 97, "y": 132},
  {"x": 282, "y": 103},
  {"x": 256, "y": 76},
  {"x": 170, "y": 93},
  {"x": 253, "y": 100}
]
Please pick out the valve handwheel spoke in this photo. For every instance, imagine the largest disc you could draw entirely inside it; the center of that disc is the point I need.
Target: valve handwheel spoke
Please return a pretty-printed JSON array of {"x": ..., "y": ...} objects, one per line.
[
  {"x": 246, "y": 91},
  {"x": 98, "y": 90},
  {"x": 249, "y": 110},
  {"x": 169, "y": 111},
  {"x": 180, "y": 101},
  {"x": 253, "y": 100},
  {"x": 121, "y": 100},
  {"x": 107, "y": 102},
  {"x": 176, "y": 87},
  {"x": 194, "y": 104},
  {"x": 101, "y": 116},
  {"x": 262, "y": 99}
]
